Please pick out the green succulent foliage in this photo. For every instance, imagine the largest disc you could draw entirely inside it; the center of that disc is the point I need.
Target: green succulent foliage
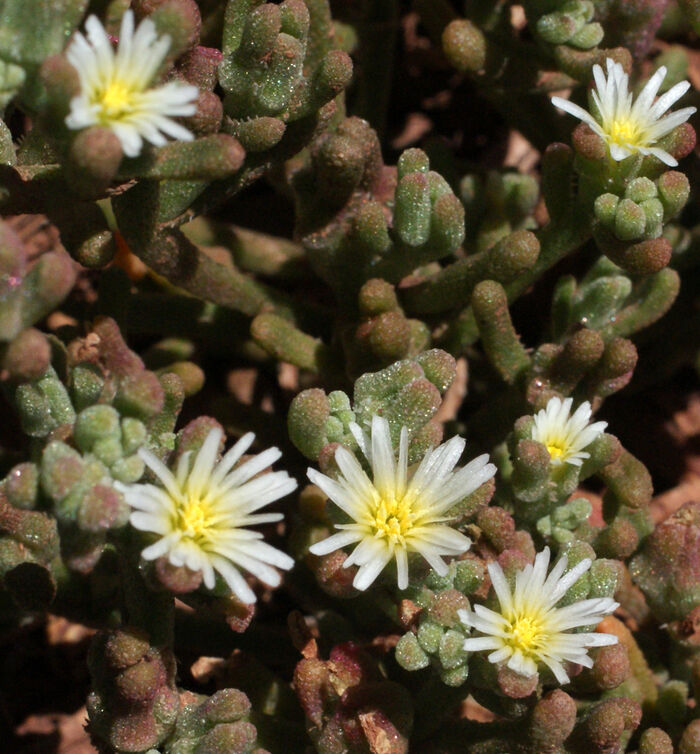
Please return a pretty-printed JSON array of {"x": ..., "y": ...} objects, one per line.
[
  {"x": 87, "y": 428},
  {"x": 571, "y": 24},
  {"x": 439, "y": 638},
  {"x": 561, "y": 524},
  {"x": 350, "y": 240},
  {"x": 29, "y": 292},
  {"x": 217, "y": 723},
  {"x": 23, "y": 47},
  {"x": 407, "y": 394},
  {"x": 134, "y": 704},
  {"x": 278, "y": 69}
]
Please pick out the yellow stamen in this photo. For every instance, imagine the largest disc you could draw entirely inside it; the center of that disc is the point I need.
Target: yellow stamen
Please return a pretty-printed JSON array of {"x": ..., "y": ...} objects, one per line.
[
  {"x": 625, "y": 131},
  {"x": 555, "y": 449},
  {"x": 393, "y": 519},
  {"x": 526, "y": 634},
  {"x": 115, "y": 100},
  {"x": 193, "y": 518}
]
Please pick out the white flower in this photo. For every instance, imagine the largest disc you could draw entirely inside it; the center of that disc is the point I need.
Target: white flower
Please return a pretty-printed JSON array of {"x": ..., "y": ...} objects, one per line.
[
  {"x": 566, "y": 436},
  {"x": 114, "y": 87},
  {"x": 626, "y": 127},
  {"x": 530, "y": 628},
  {"x": 200, "y": 512},
  {"x": 393, "y": 514}
]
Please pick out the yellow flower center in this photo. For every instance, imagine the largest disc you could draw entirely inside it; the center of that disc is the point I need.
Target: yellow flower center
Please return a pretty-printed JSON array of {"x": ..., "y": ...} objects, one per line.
[
  {"x": 115, "y": 100},
  {"x": 525, "y": 634},
  {"x": 625, "y": 131},
  {"x": 194, "y": 518},
  {"x": 556, "y": 449},
  {"x": 393, "y": 519}
]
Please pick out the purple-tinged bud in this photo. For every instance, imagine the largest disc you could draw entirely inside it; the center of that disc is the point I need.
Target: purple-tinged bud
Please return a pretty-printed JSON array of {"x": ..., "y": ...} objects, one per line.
[
  {"x": 198, "y": 66},
  {"x": 27, "y": 357},
  {"x": 445, "y": 607},
  {"x": 667, "y": 568},
  {"x": 22, "y": 485},
  {"x": 226, "y": 706},
  {"x": 94, "y": 158},
  {"x": 553, "y": 719},
  {"x": 179, "y": 19},
  {"x": 389, "y": 337},
  {"x": 674, "y": 190},
  {"x": 332, "y": 577},
  {"x": 497, "y": 526},
  {"x": 140, "y": 395},
  {"x": 176, "y": 579},
  {"x": 208, "y": 115},
  {"x": 611, "y": 666},
  {"x": 588, "y": 144},
  {"x": 515, "y": 685}
]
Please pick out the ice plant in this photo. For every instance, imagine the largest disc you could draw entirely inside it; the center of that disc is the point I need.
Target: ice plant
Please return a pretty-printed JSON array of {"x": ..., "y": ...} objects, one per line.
[
  {"x": 530, "y": 628},
  {"x": 629, "y": 126},
  {"x": 564, "y": 436},
  {"x": 114, "y": 86},
  {"x": 394, "y": 513},
  {"x": 201, "y": 512}
]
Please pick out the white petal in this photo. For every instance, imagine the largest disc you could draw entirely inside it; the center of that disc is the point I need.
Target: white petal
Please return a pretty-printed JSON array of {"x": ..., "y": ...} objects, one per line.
[
  {"x": 237, "y": 584},
  {"x": 447, "y": 541},
  {"x": 646, "y": 96},
  {"x": 361, "y": 439},
  {"x": 568, "y": 580},
  {"x": 500, "y": 586},
  {"x": 668, "y": 98},
  {"x": 204, "y": 462},
  {"x": 341, "y": 497},
  {"x": 369, "y": 572},
  {"x": 353, "y": 472},
  {"x": 250, "y": 468},
  {"x": 158, "y": 549},
  {"x": 335, "y": 542},
  {"x": 148, "y": 522},
  {"x": 160, "y": 470},
  {"x": 482, "y": 642},
  {"x": 664, "y": 156},
  {"x": 232, "y": 457},
  {"x": 383, "y": 462},
  {"x": 401, "y": 568},
  {"x": 267, "y": 554},
  {"x": 500, "y": 654},
  {"x": 557, "y": 669},
  {"x": 402, "y": 464},
  {"x": 667, "y": 124},
  {"x": 573, "y": 109},
  {"x": 433, "y": 558},
  {"x": 129, "y": 138}
]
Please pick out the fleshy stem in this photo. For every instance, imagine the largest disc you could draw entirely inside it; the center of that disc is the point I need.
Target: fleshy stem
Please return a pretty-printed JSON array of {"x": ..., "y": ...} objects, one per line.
[{"x": 152, "y": 611}]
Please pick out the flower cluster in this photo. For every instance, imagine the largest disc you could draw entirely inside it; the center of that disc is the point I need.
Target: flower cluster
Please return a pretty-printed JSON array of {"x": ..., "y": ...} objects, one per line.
[
  {"x": 201, "y": 511},
  {"x": 223, "y": 216}
]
